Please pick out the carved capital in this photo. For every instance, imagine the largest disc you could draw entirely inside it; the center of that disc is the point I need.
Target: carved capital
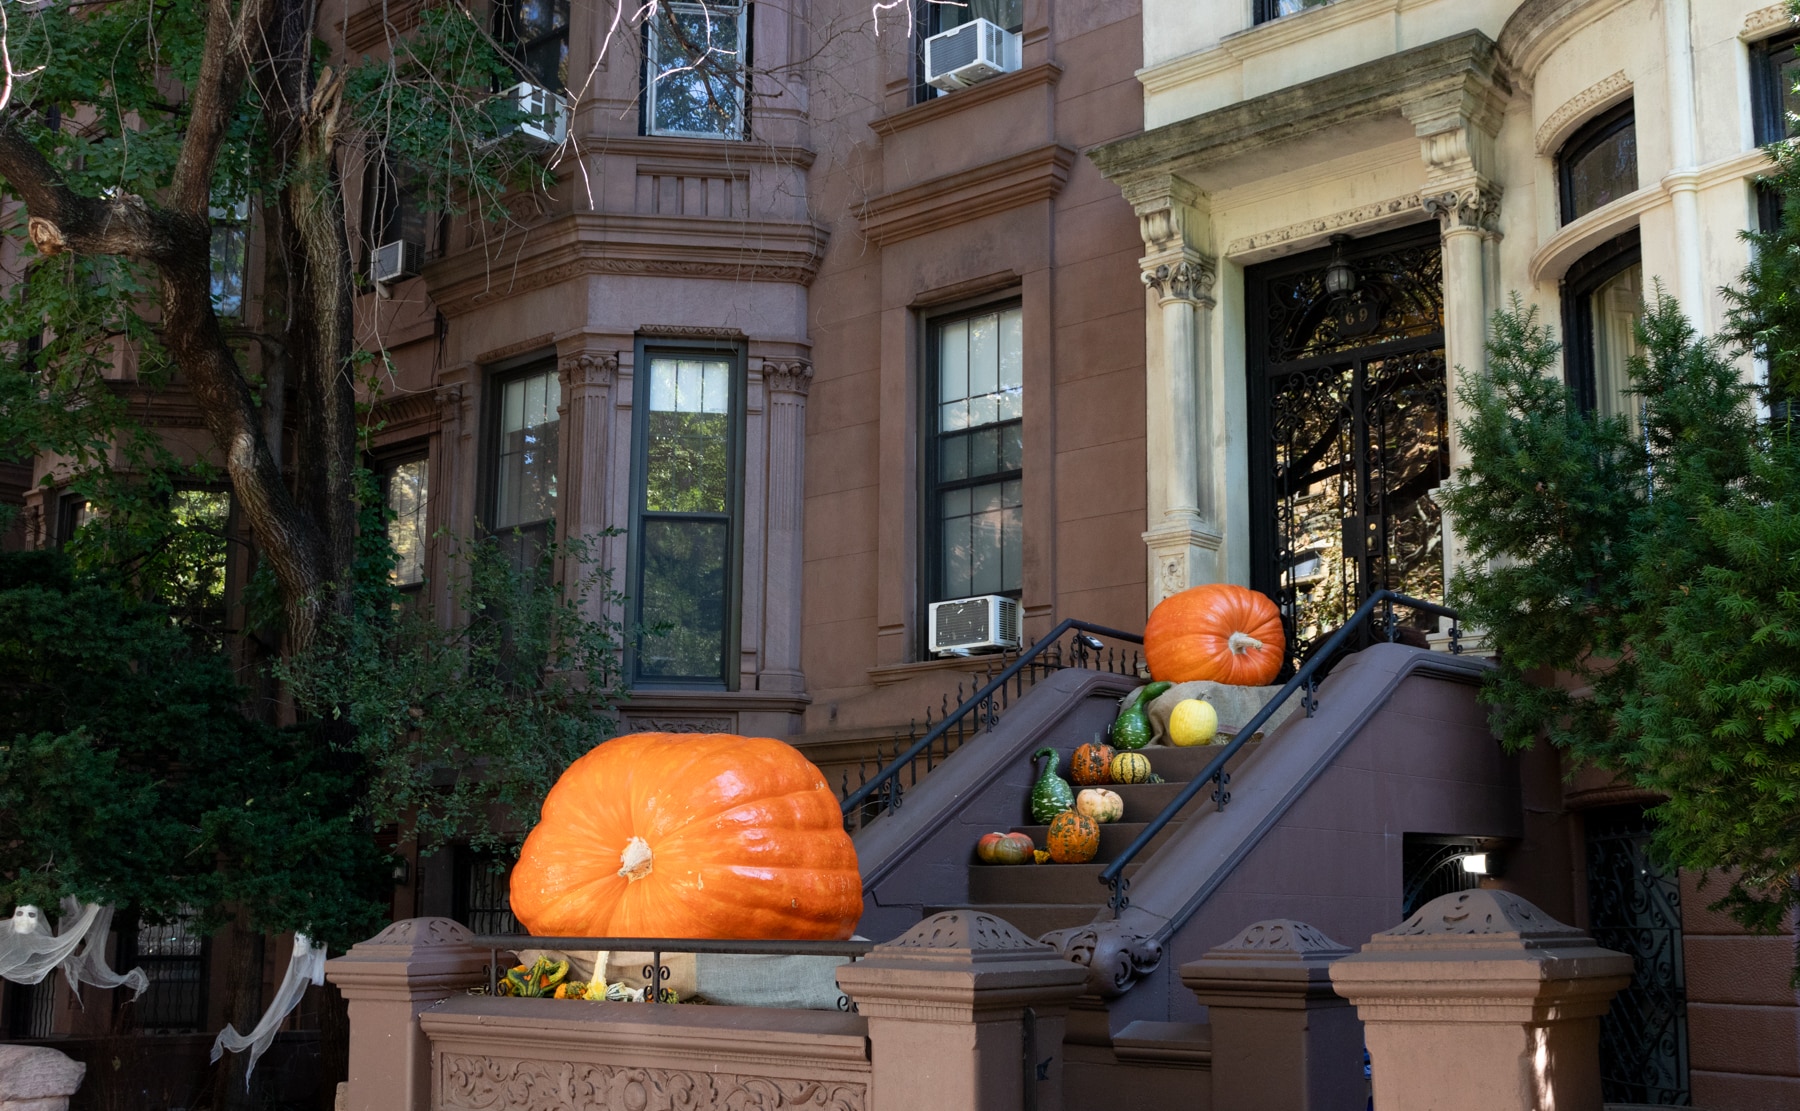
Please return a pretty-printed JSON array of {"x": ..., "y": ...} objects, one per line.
[
  {"x": 590, "y": 368},
  {"x": 793, "y": 377},
  {"x": 1115, "y": 957},
  {"x": 1475, "y": 207},
  {"x": 1188, "y": 279},
  {"x": 1170, "y": 212}
]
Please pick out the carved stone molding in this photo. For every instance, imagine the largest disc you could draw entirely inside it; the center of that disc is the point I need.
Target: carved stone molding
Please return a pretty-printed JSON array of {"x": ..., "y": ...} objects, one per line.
[
  {"x": 790, "y": 377},
  {"x": 1325, "y": 225},
  {"x": 679, "y": 725},
  {"x": 1602, "y": 94},
  {"x": 1189, "y": 279},
  {"x": 1764, "y": 21},
  {"x": 966, "y": 931},
  {"x": 1482, "y": 917},
  {"x": 422, "y": 932},
  {"x": 593, "y": 368},
  {"x": 1281, "y": 935},
  {"x": 1169, "y": 211},
  {"x": 1035, "y": 175},
  {"x": 472, "y": 1083},
  {"x": 1474, "y": 206},
  {"x": 1115, "y": 957},
  {"x": 690, "y": 331},
  {"x": 540, "y": 342}
]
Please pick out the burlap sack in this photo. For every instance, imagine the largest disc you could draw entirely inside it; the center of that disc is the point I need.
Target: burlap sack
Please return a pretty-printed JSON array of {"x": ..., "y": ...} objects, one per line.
[
  {"x": 1234, "y": 705},
  {"x": 741, "y": 980}
]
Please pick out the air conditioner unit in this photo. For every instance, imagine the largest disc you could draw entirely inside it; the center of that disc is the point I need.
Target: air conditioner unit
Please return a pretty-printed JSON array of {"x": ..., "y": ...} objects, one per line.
[
  {"x": 548, "y": 112},
  {"x": 967, "y": 625},
  {"x": 975, "y": 51},
  {"x": 394, "y": 261}
]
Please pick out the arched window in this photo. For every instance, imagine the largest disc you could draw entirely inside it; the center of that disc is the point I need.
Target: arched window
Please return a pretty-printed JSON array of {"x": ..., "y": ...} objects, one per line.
[
  {"x": 1598, "y": 164},
  {"x": 1602, "y": 302}
]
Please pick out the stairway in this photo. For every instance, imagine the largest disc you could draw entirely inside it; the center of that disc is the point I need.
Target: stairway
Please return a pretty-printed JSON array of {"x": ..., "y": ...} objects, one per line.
[{"x": 1045, "y": 897}]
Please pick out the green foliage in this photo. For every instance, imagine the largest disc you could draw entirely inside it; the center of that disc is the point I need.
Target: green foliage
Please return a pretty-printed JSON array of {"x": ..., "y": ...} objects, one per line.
[
  {"x": 1650, "y": 573},
  {"x": 463, "y": 721},
  {"x": 129, "y": 774}
]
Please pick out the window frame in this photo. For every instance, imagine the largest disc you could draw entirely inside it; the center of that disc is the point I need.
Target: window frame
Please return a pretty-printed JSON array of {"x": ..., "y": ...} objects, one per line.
[
  {"x": 1579, "y": 283},
  {"x": 1767, "y": 116},
  {"x": 384, "y": 465},
  {"x": 931, "y": 539},
  {"x": 1267, "y": 11},
  {"x": 517, "y": 49},
  {"x": 130, "y": 955},
  {"x": 489, "y": 484},
  {"x": 646, "y": 349},
  {"x": 647, "y": 83},
  {"x": 926, "y": 16},
  {"x": 1581, "y": 142}
]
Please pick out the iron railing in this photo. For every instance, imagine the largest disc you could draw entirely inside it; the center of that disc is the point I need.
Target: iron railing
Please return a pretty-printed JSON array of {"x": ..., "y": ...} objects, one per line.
[
  {"x": 1304, "y": 679},
  {"x": 981, "y": 711},
  {"x": 656, "y": 972}
]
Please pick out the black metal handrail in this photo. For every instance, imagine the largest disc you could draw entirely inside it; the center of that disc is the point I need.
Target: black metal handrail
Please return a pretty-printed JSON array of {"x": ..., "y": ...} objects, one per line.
[
  {"x": 887, "y": 780},
  {"x": 1214, "y": 772},
  {"x": 656, "y": 972}
]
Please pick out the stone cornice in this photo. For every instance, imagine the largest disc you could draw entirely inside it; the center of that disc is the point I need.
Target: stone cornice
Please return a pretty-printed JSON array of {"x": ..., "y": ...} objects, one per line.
[
  {"x": 650, "y": 246},
  {"x": 541, "y": 342},
  {"x": 719, "y": 155},
  {"x": 1764, "y": 22},
  {"x": 958, "y": 198},
  {"x": 938, "y": 107},
  {"x": 1383, "y": 87},
  {"x": 400, "y": 411},
  {"x": 1600, "y": 95},
  {"x": 1538, "y": 27}
]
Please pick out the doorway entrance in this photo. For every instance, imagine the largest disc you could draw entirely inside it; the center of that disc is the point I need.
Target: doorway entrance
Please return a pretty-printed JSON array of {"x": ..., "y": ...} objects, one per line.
[{"x": 1349, "y": 429}]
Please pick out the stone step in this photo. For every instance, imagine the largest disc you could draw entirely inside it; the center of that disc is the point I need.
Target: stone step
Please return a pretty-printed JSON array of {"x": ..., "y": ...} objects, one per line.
[
  {"x": 1035, "y": 919},
  {"x": 1115, "y": 837},
  {"x": 1060, "y": 884}
]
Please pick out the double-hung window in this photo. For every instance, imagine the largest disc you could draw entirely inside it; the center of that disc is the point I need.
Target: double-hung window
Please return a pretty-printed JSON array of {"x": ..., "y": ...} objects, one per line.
[
  {"x": 1598, "y": 164},
  {"x": 689, "y": 438},
  {"x": 522, "y": 502},
  {"x": 536, "y": 33},
  {"x": 975, "y": 455},
  {"x": 1603, "y": 302},
  {"x": 404, "y": 492},
  {"x": 696, "y": 68}
]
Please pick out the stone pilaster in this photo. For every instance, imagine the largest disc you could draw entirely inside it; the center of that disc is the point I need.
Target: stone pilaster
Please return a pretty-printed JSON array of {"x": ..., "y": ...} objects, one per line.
[
  {"x": 588, "y": 378},
  {"x": 785, "y": 384}
]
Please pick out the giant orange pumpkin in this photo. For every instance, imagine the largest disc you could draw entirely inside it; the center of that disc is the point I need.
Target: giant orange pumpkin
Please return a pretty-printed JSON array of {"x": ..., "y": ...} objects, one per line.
[
  {"x": 689, "y": 835},
  {"x": 1220, "y": 632}
]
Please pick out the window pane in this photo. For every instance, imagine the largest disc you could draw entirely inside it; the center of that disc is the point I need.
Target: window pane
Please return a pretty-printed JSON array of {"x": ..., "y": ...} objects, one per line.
[
  {"x": 953, "y": 362},
  {"x": 406, "y": 521},
  {"x": 1787, "y": 75},
  {"x": 1012, "y": 447},
  {"x": 1009, "y": 14},
  {"x": 1617, "y": 307},
  {"x": 980, "y": 390},
  {"x": 1602, "y": 173},
  {"x": 1012, "y": 348},
  {"x": 228, "y": 242},
  {"x": 688, "y": 436},
  {"x": 684, "y": 565},
  {"x": 172, "y": 959},
  {"x": 984, "y": 451},
  {"x": 982, "y": 533},
  {"x": 984, "y": 355},
  {"x": 695, "y": 70},
  {"x": 953, "y": 458},
  {"x": 525, "y": 480},
  {"x": 957, "y": 545}
]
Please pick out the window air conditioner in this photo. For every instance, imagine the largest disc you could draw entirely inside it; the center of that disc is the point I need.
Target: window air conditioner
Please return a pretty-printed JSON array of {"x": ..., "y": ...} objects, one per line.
[
  {"x": 394, "y": 261},
  {"x": 975, "y": 51},
  {"x": 549, "y": 122},
  {"x": 974, "y": 624}
]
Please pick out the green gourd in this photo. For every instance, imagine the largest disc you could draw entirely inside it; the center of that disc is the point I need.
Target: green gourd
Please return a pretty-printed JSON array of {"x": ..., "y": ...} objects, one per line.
[
  {"x": 1051, "y": 794},
  {"x": 1131, "y": 729}
]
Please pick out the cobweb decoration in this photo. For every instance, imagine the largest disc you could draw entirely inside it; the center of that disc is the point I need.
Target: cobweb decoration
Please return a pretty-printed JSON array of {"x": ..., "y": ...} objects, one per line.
[
  {"x": 306, "y": 967},
  {"x": 29, "y": 951}
]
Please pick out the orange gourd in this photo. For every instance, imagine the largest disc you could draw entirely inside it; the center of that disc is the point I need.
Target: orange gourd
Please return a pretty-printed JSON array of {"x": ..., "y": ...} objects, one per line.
[
  {"x": 1073, "y": 838},
  {"x": 689, "y": 835},
  {"x": 1220, "y": 632},
  {"x": 1091, "y": 765}
]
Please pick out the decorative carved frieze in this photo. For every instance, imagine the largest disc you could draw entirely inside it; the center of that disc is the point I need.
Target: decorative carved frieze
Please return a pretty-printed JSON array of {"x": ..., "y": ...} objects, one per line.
[
  {"x": 1115, "y": 956},
  {"x": 1764, "y": 21},
  {"x": 1281, "y": 935},
  {"x": 541, "y": 342},
  {"x": 971, "y": 930},
  {"x": 1467, "y": 918},
  {"x": 1602, "y": 94},
  {"x": 422, "y": 931},
  {"x": 594, "y": 368},
  {"x": 679, "y": 725},
  {"x": 1325, "y": 225},
  {"x": 472, "y": 1083},
  {"x": 1473, "y": 206},
  {"x": 790, "y": 377},
  {"x": 690, "y": 331},
  {"x": 1188, "y": 279}
]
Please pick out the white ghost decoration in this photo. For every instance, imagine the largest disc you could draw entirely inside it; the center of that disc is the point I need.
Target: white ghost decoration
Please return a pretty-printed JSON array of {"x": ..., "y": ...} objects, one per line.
[
  {"x": 29, "y": 951},
  {"x": 306, "y": 966}
]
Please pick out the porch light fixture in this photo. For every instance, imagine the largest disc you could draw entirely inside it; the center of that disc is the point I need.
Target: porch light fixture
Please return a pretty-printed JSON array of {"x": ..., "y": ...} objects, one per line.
[
  {"x": 1475, "y": 864},
  {"x": 1340, "y": 274}
]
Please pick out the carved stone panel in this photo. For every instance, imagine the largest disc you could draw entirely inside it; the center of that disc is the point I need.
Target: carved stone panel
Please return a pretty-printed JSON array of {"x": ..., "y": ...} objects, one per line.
[{"x": 470, "y": 1083}]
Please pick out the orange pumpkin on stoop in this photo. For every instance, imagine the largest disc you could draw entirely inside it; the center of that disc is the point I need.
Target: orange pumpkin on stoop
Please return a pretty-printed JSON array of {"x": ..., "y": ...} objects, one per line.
[{"x": 1221, "y": 632}]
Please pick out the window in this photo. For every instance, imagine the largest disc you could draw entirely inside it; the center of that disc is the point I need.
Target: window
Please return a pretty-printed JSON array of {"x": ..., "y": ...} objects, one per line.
[
  {"x": 389, "y": 212},
  {"x": 523, "y": 498},
  {"x": 230, "y": 245},
  {"x": 1275, "y": 9},
  {"x": 198, "y": 556},
  {"x": 1603, "y": 301},
  {"x": 1774, "y": 71},
  {"x": 536, "y": 33},
  {"x": 31, "y": 1009},
  {"x": 688, "y": 449},
  {"x": 174, "y": 959},
  {"x": 404, "y": 492},
  {"x": 72, "y": 512},
  {"x": 697, "y": 55},
  {"x": 480, "y": 895},
  {"x": 976, "y": 455},
  {"x": 1598, "y": 164},
  {"x": 935, "y": 16}
]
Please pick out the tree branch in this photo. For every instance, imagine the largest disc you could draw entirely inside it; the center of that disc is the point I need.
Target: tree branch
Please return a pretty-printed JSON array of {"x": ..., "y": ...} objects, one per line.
[{"x": 217, "y": 90}]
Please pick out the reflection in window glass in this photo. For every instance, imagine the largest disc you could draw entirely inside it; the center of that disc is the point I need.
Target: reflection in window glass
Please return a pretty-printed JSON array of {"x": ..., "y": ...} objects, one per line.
[
  {"x": 406, "y": 494},
  {"x": 684, "y": 598},
  {"x": 525, "y": 481},
  {"x": 1599, "y": 164},
  {"x": 685, "y": 449},
  {"x": 978, "y": 454},
  {"x": 1009, "y": 14},
  {"x": 1617, "y": 307},
  {"x": 694, "y": 84},
  {"x": 172, "y": 956},
  {"x": 229, "y": 251},
  {"x": 536, "y": 33}
]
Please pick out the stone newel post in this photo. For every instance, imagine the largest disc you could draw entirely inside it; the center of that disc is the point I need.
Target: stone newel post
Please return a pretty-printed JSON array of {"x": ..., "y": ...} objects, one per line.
[
  {"x": 1282, "y": 1040},
  {"x": 964, "y": 1011},
  {"x": 387, "y": 981},
  {"x": 1483, "y": 1002}
]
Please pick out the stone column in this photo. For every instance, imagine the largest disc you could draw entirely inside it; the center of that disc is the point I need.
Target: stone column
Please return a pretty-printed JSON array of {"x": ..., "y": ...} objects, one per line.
[
  {"x": 964, "y": 1011},
  {"x": 1483, "y": 999},
  {"x": 587, "y": 379},
  {"x": 454, "y": 477},
  {"x": 387, "y": 981},
  {"x": 1682, "y": 183},
  {"x": 1184, "y": 534},
  {"x": 785, "y": 384},
  {"x": 37, "y": 1078},
  {"x": 1282, "y": 1039}
]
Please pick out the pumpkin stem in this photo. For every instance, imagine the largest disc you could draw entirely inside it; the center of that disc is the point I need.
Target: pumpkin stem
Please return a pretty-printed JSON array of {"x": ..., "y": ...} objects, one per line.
[
  {"x": 635, "y": 860},
  {"x": 1240, "y": 643}
]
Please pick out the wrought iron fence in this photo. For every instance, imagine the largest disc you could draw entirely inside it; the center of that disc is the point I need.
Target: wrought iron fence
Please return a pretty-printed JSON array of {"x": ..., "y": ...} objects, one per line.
[
  {"x": 926, "y": 744},
  {"x": 655, "y": 972}
]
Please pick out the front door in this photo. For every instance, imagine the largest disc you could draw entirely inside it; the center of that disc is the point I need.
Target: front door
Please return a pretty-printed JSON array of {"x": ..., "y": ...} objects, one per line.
[{"x": 1349, "y": 428}]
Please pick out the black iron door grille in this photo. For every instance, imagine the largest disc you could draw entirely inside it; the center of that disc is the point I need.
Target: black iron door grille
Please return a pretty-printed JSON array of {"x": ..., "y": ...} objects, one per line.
[
  {"x": 1634, "y": 906},
  {"x": 1349, "y": 423}
]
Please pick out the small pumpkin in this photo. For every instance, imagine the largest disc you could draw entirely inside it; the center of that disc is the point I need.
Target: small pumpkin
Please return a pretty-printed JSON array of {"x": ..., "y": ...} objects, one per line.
[
  {"x": 1219, "y": 631},
  {"x": 690, "y": 835},
  {"x": 1004, "y": 848},
  {"x": 1074, "y": 838},
  {"x": 1130, "y": 767},
  {"x": 1091, "y": 764},
  {"x": 1100, "y": 804}
]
